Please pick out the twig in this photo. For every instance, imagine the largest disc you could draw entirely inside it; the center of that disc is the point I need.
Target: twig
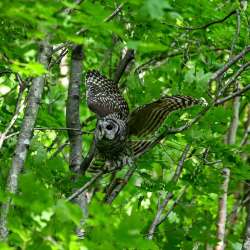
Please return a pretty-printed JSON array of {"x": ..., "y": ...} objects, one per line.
[
  {"x": 229, "y": 97},
  {"x": 107, "y": 19},
  {"x": 19, "y": 109},
  {"x": 158, "y": 217},
  {"x": 162, "y": 58},
  {"x": 109, "y": 198},
  {"x": 60, "y": 148},
  {"x": 234, "y": 78},
  {"x": 115, "y": 13},
  {"x": 164, "y": 217},
  {"x": 65, "y": 129},
  {"x": 222, "y": 70},
  {"x": 86, "y": 186},
  {"x": 57, "y": 60},
  {"x": 209, "y": 24}
]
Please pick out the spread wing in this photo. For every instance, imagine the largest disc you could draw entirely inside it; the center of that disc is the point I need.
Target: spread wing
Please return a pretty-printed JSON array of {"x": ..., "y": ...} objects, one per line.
[
  {"x": 104, "y": 97},
  {"x": 148, "y": 118}
]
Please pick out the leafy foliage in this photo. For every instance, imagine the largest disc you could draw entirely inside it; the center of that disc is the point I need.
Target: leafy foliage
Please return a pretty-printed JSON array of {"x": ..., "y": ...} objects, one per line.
[{"x": 174, "y": 55}]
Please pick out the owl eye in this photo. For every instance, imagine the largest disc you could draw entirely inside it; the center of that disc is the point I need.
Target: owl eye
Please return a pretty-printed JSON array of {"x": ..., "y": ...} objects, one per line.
[{"x": 109, "y": 127}]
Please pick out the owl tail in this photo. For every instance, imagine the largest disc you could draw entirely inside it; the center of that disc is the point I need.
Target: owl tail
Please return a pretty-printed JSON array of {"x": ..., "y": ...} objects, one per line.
[{"x": 147, "y": 119}]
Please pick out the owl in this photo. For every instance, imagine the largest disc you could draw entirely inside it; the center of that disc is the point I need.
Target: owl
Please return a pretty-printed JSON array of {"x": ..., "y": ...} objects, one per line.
[{"x": 116, "y": 125}]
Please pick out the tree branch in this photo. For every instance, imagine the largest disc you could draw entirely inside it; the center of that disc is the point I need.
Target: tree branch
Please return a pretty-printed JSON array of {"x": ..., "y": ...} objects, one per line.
[
  {"x": 234, "y": 78},
  {"x": 209, "y": 24},
  {"x": 125, "y": 60},
  {"x": 158, "y": 217},
  {"x": 86, "y": 186},
  {"x": 237, "y": 93},
  {"x": 235, "y": 59},
  {"x": 115, "y": 13},
  {"x": 18, "y": 110},
  {"x": 35, "y": 95},
  {"x": 109, "y": 198}
]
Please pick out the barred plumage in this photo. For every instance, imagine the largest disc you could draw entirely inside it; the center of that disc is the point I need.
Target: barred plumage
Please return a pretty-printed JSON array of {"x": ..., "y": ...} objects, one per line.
[
  {"x": 104, "y": 97},
  {"x": 114, "y": 123}
]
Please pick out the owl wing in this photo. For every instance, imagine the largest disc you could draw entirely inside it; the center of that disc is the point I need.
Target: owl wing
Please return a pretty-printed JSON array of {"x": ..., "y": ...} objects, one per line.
[
  {"x": 104, "y": 97},
  {"x": 147, "y": 119}
]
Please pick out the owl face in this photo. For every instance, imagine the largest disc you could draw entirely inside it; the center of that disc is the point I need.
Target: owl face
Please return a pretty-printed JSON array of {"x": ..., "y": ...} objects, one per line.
[{"x": 110, "y": 129}]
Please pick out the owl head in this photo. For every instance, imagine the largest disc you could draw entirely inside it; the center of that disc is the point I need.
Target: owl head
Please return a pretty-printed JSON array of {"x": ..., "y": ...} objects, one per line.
[{"x": 109, "y": 129}]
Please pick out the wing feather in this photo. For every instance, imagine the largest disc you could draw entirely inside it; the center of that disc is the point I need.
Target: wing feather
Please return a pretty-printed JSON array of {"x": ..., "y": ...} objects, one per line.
[
  {"x": 148, "y": 118},
  {"x": 104, "y": 97}
]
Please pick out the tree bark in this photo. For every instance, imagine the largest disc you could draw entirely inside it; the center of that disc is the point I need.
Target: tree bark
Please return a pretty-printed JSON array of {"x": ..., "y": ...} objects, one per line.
[
  {"x": 24, "y": 139},
  {"x": 222, "y": 213},
  {"x": 72, "y": 109},
  {"x": 246, "y": 243}
]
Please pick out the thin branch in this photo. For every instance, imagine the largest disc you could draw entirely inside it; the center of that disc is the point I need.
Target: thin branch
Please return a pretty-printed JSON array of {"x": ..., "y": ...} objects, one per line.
[
  {"x": 229, "y": 97},
  {"x": 115, "y": 13},
  {"x": 235, "y": 59},
  {"x": 209, "y": 24},
  {"x": 158, "y": 217},
  {"x": 234, "y": 78},
  {"x": 162, "y": 58},
  {"x": 107, "y": 19},
  {"x": 64, "y": 129},
  {"x": 59, "y": 149},
  {"x": 86, "y": 186},
  {"x": 18, "y": 110},
  {"x": 109, "y": 198},
  {"x": 175, "y": 203}
]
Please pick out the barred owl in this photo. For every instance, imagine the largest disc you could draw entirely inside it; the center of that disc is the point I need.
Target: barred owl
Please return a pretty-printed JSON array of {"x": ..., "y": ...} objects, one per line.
[{"x": 115, "y": 125}]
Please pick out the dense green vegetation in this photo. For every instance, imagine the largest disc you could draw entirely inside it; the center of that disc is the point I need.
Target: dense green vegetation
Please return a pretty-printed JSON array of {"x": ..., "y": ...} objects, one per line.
[{"x": 181, "y": 47}]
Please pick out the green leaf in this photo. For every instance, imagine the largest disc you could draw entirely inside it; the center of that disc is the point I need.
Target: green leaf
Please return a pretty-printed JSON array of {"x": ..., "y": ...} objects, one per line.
[{"x": 156, "y": 8}]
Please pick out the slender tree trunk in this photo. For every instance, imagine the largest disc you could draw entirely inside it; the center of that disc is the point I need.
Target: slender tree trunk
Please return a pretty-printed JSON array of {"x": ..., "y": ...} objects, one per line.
[
  {"x": 222, "y": 212},
  {"x": 72, "y": 110},
  {"x": 25, "y": 136},
  {"x": 73, "y": 121},
  {"x": 246, "y": 243},
  {"x": 221, "y": 226}
]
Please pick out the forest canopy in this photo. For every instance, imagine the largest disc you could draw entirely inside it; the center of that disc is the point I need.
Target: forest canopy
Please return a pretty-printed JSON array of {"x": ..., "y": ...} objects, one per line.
[{"x": 189, "y": 185}]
